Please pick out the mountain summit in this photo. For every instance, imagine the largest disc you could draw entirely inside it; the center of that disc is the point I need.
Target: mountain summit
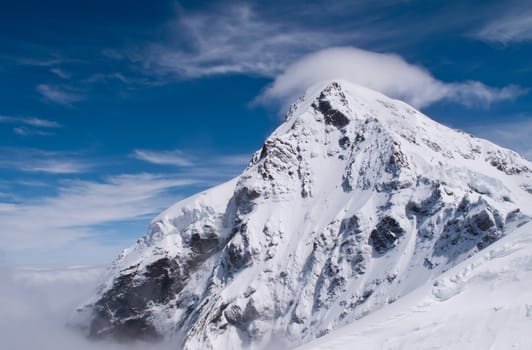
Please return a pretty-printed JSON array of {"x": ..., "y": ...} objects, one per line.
[{"x": 352, "y": 203}]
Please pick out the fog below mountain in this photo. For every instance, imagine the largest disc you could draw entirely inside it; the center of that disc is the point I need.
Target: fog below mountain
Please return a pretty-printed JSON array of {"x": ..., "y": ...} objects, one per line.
[{"x": 36, "y": 305}]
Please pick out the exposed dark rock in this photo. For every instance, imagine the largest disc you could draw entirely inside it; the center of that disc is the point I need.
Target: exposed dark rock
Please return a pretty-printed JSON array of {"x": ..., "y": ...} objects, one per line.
[
  {"x": 237, "y": 255},
  {"x": 464, "y": 205},
  {"x": 488, "y": 239},
  {"x": 466, "y": 231},
  {"x": 206, "y": 244},
  {"x": 503, "y": 163},
  {"x": 385, "y": 234},
  {"x": 242, "y": 319},
  {"x": 397, "y": 161},
  {"x": 218, "y": 313},
  {"x": 243, "y": 199},
  {"x": 351, "y": 248},
  {"x": 122, "y": 312},
  {"x": 428, "y": 264},
  {"x": 344, "y": 142},
  {"x": 433, "y": 145},
  {"x": 361, "y": 299},
  {"x": 233, "y": 315},
  {"x": 346, "y": 180},
  {"x": 359, "y": 138},
  {"x": 263, "y": 152},
  {"x": 480, "y": 222},
  {"x": 266, "y": 148},
  {"x": 332, "y": 116}
]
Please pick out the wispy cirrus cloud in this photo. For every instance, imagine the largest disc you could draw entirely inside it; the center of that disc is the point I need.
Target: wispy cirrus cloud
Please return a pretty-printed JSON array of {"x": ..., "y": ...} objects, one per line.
[
  {"x": 37, "y": 122},
  {"x": 231, "y": 40},
  {"x": 39, "y": 62},
  {"x": 60, "y": 73},
  {"x": 80, "y": 208},
  {"x": 58, "y": 95},
  {"x": 40, "y": 161},
  {"x": 83, "y": 216},
  {"x": 194, "y": 160},
  {"x": 237, "y": 40},
  {"x": 30, "y": 126},
  {"x": 174, "y": 157},
  {"x": 384, "y": 72},
  {"x": 52, "y": 166},
  {"x": 24, "y": 131},
  {"x": 512, "y": 28}
]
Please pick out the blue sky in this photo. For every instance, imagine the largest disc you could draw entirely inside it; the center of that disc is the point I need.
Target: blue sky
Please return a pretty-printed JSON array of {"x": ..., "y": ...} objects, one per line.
[{"x": 112, "y": 110}]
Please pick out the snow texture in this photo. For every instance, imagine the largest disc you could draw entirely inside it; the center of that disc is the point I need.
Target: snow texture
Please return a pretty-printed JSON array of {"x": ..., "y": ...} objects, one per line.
[
  {"x": 353, "y": 203},
  {"x": 482, "y": 303}
]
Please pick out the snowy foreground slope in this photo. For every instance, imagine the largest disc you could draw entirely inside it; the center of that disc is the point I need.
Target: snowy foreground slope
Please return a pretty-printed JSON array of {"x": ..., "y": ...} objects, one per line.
[
  {"x": 354, "y": 202},
  {"x": 483, "y": 303}
]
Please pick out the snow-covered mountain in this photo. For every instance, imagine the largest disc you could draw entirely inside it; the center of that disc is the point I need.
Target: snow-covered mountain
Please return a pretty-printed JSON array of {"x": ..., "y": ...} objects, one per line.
[
  {"x": 354, "y": 202},
  {"x": 482, "y": 303}
]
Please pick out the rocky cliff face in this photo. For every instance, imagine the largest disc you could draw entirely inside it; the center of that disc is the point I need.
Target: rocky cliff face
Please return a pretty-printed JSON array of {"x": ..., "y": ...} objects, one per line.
[{"x": 354, "y": 201}]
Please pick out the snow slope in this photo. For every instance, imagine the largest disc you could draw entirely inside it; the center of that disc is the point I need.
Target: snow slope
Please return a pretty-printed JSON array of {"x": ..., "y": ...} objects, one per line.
[
  {"x": 355, "y": 201},
  {"x": 483, "y": 303}
]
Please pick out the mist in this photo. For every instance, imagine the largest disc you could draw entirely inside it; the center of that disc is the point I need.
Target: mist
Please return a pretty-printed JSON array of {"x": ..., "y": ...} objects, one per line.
[{"x": 37, "y": 304}]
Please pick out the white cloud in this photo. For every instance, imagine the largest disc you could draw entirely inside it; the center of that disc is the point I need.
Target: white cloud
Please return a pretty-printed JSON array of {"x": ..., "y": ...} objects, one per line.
[
  {"x": 175, "y": 157},
  {"x": 387, "y": 73},
  {"x": 233, "y": 39},
  {"x": 23, "y": 131},
  {"x": 60, "y": 73},
  {"x": 58, "y": 95},
  {"x": 40, "y": 62},
  {"x": 87, "y": 221},
  {"x": 39, "y": 161},
  {"x": 36, "y": 122},
  {"x": 193, "y": 160},
  {"x": 52, "y": 166},
  {"x": 509, "y": 29},
  {"x": 30, "y": 126},
  {"x": 46, "y": 226}
]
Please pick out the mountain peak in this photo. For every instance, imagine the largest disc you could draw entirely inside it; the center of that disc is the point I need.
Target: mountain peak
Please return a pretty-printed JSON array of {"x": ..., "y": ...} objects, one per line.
[
  {"x": 352, "y": 202},
  {"x": 333, "y": 105}
]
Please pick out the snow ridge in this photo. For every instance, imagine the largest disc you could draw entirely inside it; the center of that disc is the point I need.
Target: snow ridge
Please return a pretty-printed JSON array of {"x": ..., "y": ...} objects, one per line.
[{"x": 352, "y": 203}]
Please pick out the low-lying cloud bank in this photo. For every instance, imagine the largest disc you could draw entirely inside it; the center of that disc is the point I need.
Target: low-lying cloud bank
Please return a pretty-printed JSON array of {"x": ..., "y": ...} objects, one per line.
[
  {"x": 387, "y": 73},
  {"x": 37, "y": 304}
]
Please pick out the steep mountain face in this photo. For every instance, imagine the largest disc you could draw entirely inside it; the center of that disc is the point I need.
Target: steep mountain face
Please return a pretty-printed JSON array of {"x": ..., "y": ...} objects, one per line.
[
  {"x": 482, "y": 303},
  {"x": 353, "y": 202}
]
